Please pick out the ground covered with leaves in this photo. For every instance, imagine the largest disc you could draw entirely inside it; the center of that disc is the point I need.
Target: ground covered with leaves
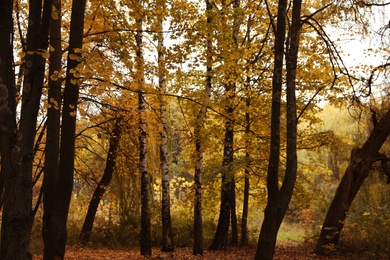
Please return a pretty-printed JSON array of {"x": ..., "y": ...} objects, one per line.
[{"x": 292, "y": 251}]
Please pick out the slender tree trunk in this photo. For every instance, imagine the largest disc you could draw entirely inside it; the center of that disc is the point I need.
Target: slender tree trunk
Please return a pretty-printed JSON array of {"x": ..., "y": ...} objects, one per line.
[
  {"x": 104, "y": 182},
  {"x": 53, "y": 123},
  {"x": 57, "y": 234},
  {"x": 278, "y": 200},
  {"x": 244, "y": 220},
  {"x": 17, "y": 210},
  {"x": 227, "y": 194},
  {"x": 233, "y": 214},
  {"x": 167, "y": 234},
  {"x": 146, "y": 240},
  {"x": 198, "y": 222},
  {"x": 356, "y": 172}
]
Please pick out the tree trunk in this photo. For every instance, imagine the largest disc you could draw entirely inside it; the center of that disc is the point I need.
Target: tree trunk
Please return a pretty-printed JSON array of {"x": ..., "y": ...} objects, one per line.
[
  {"x": 355, "y": 174},
  {"x": 227, "y": 193},
  {"x": 221, "y": 235},
  {"x": 17, "y": 210},
  {"x": 7, "y": 90},
  {"x": 278, "y": 200},
  {"x": 53, "y": 123},
  {"x": 57, "y": 234},
  {"x": 167, "y": 234},
  {"x": 104, "y": 182},
  {"x": 244, "y": 220},
  {"x": 146, "y": 240},
  {"x": 233, "y": 214},
  {"x": 198, "y": 222}
]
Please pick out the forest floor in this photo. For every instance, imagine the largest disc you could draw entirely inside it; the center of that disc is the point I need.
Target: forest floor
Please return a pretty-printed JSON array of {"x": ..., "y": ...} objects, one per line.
[{"x": 285, "y": 251}]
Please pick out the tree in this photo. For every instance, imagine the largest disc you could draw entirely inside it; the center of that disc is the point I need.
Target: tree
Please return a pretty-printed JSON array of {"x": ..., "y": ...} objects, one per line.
[
  {"x": 7, "y": 88},
  {"x": 167, "y": 234},
  {"x": 53, "y": 120},
  {"x": 227, "y": 207},
  {"x": 279, "y": 198},
  {"x": 357, "y": 171},
  {"x": 104, "y": 182},
  {"x": 16, "y": 218},
  {"x": 198, "y": 222},
  {"x": 146, "y": 241},
  {"x": 57, "y": 234}
]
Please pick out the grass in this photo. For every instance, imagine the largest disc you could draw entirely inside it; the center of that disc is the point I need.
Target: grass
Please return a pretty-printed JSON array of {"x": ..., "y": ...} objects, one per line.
[{"x": 290, "y": 233}]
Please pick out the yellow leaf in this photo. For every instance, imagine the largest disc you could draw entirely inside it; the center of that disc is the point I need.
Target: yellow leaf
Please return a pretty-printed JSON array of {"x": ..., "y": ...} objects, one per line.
[
  {"x": 54, "y": 13},
  {"x": 46, "y": 104},
  {"x": 74, "y": 57}
]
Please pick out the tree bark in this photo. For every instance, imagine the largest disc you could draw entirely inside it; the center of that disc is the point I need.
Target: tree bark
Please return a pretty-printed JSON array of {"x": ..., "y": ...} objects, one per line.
[
  {"x": 102, "y": 185},
  {"x": 7, "y": 90},
  {"x": 244, "y": 219},
  {"x": 221, "y": 235},
  {"x": 17, "y": 211},
  {"x": 279, "y": 199},
  {"x": 57, "y": 234},
  {"x": 356, "y": 172},
  {"x": 53, "y": 123},
  {"x": 233, "y": 214},
  {"x": 227, "y": 196},
  {"x": 167, "y": 234},
  {"x": 198, "y": 221},
  {"x": 146, "y": 240}
]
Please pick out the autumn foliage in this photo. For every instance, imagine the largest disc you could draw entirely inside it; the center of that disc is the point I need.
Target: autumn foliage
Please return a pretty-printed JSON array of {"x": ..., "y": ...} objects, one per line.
[{"x": 194, "y": 129}]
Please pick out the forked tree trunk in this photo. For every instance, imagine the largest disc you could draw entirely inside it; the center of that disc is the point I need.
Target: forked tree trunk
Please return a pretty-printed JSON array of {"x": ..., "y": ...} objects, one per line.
[
  {"x": 53, "y": 123},
  {"x": 17, "y": 210},
  {"x": 279, "y": 199},
  {"x": 356, "y": 172},
  {"x": 57, "y": 235},
  {"x": 103, "y": 184},
  {"x": 146, "y": 240}
]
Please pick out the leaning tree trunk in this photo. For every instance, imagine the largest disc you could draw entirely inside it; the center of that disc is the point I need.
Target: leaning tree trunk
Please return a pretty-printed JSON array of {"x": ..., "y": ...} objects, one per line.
[
  {"x": 279, "y": 199},
  {"x": 17, "y": 210},
  {"x": 53, "y": 122},
  {"x": 57, "y": 234},
  {"x": 146, "y": 240},
  {"x": 86, "y": 230},
  {"x": 356, "y": 172}
]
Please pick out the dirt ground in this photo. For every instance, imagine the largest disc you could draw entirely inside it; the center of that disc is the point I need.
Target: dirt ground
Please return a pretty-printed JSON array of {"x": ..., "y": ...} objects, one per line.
[{"x": 289, "y": 252}]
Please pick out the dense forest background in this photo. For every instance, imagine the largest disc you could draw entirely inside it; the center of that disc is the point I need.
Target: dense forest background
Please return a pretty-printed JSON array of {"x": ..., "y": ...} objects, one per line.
[{"x": 179, "y": 123}]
